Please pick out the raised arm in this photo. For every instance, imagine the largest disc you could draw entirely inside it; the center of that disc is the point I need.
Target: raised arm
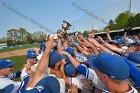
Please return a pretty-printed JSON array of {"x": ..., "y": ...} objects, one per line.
[
  {"x": 74, "y": 62},
  {"x": 43, "y": 65},
  {"x": 93, "y": 41},
  {"x": 109, "y": 46},
  {"x": 59, "y": 43},
  {"x": 108, "y": 35},
  {"x": 125, "y": 36},
  {"x": 66, "y": 43}
]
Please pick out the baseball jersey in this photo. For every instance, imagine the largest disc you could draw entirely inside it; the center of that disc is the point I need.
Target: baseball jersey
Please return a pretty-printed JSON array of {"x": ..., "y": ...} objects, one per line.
[
  {"x": 62, "y": 83},
  {"x": 91, "y": 75},
  {"x": 80, "y": 57},
  {"x": 77, "y": 81},
  {"x": 133, "y": 90},
  {"x": 39, "y": 56},
  {"x": 25, "y": 77},
  {"x": 23, "y": 74},
  {"x": 4, "y": 81}
]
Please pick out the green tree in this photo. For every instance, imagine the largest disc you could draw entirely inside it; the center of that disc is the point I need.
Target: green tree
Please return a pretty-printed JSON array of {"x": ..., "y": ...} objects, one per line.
[
  {"x": 131, "y": 22},
  {"x": 12, "y": 37},
  {"x": 134, "y": 21},
  {"x": 39, "y": 36},
  {"x": 23, "y": 34},
  {"x": 137, "y": 20},
  {"x": 18, "y": 37},
  {"x": 3, "y": 40},
  {"x": 85, "y": 33},
  {"x": 121, "y": 20}
]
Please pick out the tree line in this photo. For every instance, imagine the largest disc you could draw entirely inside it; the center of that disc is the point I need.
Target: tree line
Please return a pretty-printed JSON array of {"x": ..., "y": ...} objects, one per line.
[
  {"x": 123, "y": 20},
  {"x": 22, "y": 36}
]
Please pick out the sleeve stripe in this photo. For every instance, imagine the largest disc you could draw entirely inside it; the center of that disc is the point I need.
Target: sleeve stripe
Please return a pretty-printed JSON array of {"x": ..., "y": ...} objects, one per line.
[{"x": 21, "y": 85}]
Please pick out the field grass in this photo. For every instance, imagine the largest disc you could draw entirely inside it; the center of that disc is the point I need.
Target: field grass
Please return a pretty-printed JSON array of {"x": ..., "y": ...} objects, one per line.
[{"x": 18, "y": 48}]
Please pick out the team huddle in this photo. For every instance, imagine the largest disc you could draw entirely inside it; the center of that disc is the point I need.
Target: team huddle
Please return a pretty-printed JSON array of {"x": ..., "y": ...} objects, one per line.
[{"x": 77, "y": 64}]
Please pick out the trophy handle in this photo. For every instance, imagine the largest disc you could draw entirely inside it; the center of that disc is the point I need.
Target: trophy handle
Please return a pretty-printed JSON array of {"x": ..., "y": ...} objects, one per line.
[{"x": 66, "y": 22}]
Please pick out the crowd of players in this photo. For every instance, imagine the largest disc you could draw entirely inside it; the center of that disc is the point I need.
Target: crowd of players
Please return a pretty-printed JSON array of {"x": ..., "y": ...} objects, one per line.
[{"x": 77, "y": 65}]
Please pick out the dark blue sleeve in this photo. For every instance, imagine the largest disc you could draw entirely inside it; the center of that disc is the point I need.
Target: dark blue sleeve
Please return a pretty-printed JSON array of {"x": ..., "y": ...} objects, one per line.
[
  {"x": 18, "y": 73},
  {"x": 15, "y": 75},
  {"x": 82, "y": 69},
  {"x": 25, "y": 80}
]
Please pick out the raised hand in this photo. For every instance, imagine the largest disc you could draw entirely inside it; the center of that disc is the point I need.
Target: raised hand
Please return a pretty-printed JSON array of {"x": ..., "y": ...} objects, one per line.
[
  {"x": 62, "y": 66},
  {"x": 73, "y": 89},
  {"x": 59, "y": 36},
  {"x": 100, "y": 39},
  {"x": 28, "y": 69},
  {"x": 107, "y": 31},
  {"x": 58, "y": 74},
  {"x": 86, "y": 83},
  {"x": 50, "y": 43}
]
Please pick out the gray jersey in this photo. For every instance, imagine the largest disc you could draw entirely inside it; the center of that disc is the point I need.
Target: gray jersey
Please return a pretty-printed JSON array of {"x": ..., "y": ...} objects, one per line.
[{"x": 4, "y": 82}]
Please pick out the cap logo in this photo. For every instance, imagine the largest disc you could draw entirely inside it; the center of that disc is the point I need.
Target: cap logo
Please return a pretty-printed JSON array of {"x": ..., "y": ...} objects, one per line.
[
  {"x": 112, "y": 76},
  {"x": 8, "y": 60},
  {"x": 40, "y": 88}
]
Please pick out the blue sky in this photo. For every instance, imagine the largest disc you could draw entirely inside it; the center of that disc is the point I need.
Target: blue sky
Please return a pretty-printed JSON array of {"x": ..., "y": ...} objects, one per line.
[{"x": 51, "y": 13}]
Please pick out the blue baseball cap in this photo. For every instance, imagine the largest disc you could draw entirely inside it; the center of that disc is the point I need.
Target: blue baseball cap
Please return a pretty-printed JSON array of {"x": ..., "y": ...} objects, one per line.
[
  {"x": 134, "y": 72},
  {"x": 70, "y": 51},
  {"x": 134, "y": 56},
  {"x": 131, "y": 62},
  {"x": 131, "y": 44},
  {"x": 134, "y": 43},
  {"x": 31, "y": 55},
  {"x": 69, "y": 69},
  {"x": 90, "y": 60},
  {"x": 54, "y": 58},
  {"x": 112, "y": 65},
  {"x": 118, "y": 37},
  {"x": 137, "y": 42},
  {"x": 6, "y": 64},
  {"x": 30, "y": 51},
  {"x": 114, "y": 42},
  {"x": 121, "y": 41},
  {"x": 48, "y": 84}
]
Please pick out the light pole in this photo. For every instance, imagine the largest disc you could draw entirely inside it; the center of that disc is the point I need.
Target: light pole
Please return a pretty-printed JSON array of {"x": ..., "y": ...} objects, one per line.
[{"x": 129, "y": 8}]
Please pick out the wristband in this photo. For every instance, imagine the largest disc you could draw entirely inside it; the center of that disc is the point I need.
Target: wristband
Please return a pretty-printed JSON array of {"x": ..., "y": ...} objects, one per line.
[
  {"x": 68, "y": 55},
  {"x": 76, "y": 44}
]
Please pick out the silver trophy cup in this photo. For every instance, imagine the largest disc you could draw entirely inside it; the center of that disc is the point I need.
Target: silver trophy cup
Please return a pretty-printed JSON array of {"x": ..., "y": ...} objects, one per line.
[{"x": 65, "y": 27}]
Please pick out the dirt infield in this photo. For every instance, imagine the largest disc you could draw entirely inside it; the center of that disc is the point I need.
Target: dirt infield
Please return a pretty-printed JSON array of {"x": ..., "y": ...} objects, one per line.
[{"x": 15, "y": 53}]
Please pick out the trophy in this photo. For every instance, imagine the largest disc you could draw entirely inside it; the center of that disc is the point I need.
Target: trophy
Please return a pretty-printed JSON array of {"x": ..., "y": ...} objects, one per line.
[
  {"x": 76, "y": 33},
  {"x": 65, "y": 26}
]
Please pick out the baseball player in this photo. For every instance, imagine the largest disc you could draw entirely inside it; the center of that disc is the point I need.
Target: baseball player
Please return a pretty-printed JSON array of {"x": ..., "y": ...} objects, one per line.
[{"x": 6, "y": 68}]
